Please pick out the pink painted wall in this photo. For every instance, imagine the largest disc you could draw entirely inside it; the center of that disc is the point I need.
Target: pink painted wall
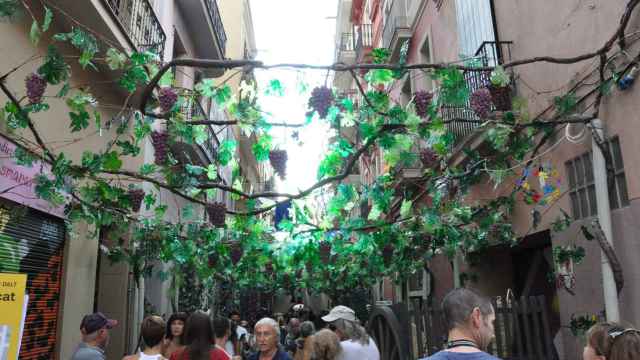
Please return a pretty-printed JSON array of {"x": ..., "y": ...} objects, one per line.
[{"x": 17, "y": 182}]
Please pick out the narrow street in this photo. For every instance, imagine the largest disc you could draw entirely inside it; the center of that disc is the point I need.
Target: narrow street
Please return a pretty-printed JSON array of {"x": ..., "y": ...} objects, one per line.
[{"x": 319, "y": 179}]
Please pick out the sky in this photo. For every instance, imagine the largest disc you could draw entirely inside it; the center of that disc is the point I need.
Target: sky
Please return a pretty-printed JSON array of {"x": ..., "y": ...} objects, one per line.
[{"x": 295, "y": 31}]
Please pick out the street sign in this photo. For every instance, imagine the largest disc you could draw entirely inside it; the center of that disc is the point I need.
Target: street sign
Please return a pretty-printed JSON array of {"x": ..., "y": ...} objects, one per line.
[{"x": 12, "y": 314}]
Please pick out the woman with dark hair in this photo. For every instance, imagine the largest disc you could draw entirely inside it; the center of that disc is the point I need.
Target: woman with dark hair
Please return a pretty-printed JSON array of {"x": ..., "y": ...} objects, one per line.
[
  {"x": 174, "y": 337},
  {"x": 232, "y": 345},
  {"x": 198, "y": 338},
  {"x": 612, "y": 341}
]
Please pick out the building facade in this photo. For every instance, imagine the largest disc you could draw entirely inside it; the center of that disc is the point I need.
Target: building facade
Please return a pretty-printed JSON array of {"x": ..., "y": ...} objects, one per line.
[
  {"x": 69, "y": 275},
  {"x": 493, "y": 32}
]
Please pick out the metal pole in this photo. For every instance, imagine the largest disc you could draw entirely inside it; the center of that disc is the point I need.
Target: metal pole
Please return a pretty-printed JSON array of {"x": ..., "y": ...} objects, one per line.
[{"x": 604, "y": 216}]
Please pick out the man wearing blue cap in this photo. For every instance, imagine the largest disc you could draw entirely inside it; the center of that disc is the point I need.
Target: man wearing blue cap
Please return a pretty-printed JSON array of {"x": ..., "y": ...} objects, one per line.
[{"x": 95, "y": 337}]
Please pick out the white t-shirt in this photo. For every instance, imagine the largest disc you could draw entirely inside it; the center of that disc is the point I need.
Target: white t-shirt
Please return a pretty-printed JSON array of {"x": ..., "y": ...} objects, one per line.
[
  {"x": 352, "y": 350},
  {"x": 228, "y": 346},
  {"x": 241, "y": 331}
]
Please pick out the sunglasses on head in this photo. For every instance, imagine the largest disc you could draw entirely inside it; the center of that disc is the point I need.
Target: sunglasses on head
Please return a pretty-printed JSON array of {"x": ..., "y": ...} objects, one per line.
[{"x": 616, "y": 332}]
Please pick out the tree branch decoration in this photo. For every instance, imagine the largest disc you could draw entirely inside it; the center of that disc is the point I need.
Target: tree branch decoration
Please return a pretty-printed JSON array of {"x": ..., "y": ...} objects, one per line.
[{"x": 325, "y": 251}]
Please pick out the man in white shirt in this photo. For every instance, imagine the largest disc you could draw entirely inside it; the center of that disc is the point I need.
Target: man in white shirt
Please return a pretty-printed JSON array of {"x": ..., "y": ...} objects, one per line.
[
  {"x": 356, "y": 343},
  {"x": 240, "y": 330}
]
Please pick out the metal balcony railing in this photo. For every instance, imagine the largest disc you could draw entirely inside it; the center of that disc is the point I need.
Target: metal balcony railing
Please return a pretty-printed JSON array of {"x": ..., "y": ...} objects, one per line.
[
  {"x": 140, "y": 23},
  {"x": 347, "y": 42},
  {"x": 351, "y": 94},
  {"x": 490, "y": 53},
  {"x": 364, "y": 39},
  {"x": 397, "y": 18},
  {"x": 493, "y": 53},
  {"x": 194, "y": 111},
  {"x": 218, "y": 27}
]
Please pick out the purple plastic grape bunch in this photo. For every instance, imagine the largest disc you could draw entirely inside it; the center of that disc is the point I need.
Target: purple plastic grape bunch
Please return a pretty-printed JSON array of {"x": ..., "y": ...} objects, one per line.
[
  {"x": 321, "y": 100},
  {"x": 481, "y": 102},
  {"x": 167, "y": 97},
  {"x": 36, "y": 85},
  {"x": 422, "y": 101}
]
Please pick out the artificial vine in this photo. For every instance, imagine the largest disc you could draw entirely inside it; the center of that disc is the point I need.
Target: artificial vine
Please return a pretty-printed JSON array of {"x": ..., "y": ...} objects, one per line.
[{"x": 324, "y": 251}]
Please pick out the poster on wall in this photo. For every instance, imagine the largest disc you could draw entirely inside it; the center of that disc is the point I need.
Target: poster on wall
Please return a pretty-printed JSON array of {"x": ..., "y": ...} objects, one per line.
[
  {"x": 12, "y": 314},
  {"x": 17, "y": 182}
]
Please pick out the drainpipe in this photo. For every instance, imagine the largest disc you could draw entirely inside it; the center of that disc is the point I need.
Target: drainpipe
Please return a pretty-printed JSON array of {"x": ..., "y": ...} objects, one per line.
[
  {"x": 456, "y": 270},
  {"x": 604, "y": 216}
]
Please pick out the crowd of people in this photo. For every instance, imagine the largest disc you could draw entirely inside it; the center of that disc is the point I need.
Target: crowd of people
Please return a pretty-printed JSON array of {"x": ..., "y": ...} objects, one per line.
[
  {"x": 469, "y": 318},
  {"x": 199, "y": 337}
]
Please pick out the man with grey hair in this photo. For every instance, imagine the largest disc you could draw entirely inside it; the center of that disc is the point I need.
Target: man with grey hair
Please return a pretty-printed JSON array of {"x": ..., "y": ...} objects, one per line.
[
  {"x": 469, "y": 318},
  {"x": 355, "y": 342},
  {"x": 95, "y": 337},
  {"x": 267, "y": 334}
]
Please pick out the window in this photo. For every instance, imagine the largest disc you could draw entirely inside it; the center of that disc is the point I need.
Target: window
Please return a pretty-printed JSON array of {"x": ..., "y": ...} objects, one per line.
[
  {"x": 475, "y": 25},
  {"x": 426, "y": 57},
  {"x": 582, "y": 191}
]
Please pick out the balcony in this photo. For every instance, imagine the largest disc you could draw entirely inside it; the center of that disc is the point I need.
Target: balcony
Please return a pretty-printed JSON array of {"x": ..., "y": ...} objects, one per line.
[
  {"x": 397, "y": 29},
  {"x": 364, "y": 41},
  {"x": 129, "y": 24},
  {"x": 204, "y": 23},
  {"x": 490, "y": 53},
  {"x": 193, "y": 153},
  {"x": 138, "y": 21},
  {"x": 346, "y": 52}
]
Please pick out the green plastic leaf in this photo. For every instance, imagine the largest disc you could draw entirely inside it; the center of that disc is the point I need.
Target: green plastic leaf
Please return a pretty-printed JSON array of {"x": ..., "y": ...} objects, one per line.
[
  {"x": 166, "y": 79},
  {"x": 111, "y": 161},
  {"x": 64, "y": 90},
  {"x": 82, "y": 41},
  {"x": 35, "y": 33},
  {"x": 274, "y": 89},
  {"x": 149, "y": 201},
  {"x": 9, "y": 9},
  {"x": 45, "y": 189},
  {"x": 206, "y": 88},
  {"x": 140, "y": 128},
  {"x": 211, "y": 193},
  {"x": 159, "y": 211},
  {"x": 212, "y": 172},
  {"x": 566, "y": 104},
  {"x": 148, "y": 169},
  {"x": 226, "y": 151},
  {"x": 237, "y": 185},
  {"x": 222, "y": 95},
  {"x": 379, "y": 77},
  {"x": 115, "y": 59},
  {"x": 133, "y": 77},
  {"x": 405, "y": 208},
  {"x": 79, "y": 121},
  {"x": 23, "y": 157},
  {"x": 48, "y": 17},
  {"x": 499, "y": 77},
  {"x": 195, "y": 170},
  {"x": 375, "y": 213},
  {"x": 200, "y": 134},
  {"x": 128, "y": 148},
  {"x": 55, "y": 70},
  {"x": 262, "y": 147}
]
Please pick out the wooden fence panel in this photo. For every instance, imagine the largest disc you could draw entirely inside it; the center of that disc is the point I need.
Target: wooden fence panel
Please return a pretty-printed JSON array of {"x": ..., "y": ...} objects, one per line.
[{"x": 521, "y": 327}]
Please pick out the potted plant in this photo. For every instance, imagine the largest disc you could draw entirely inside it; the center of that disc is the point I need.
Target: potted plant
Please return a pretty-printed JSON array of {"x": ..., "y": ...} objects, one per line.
[
  {"x": 500, "y": 89},
  {"x": 565, "y": 257},
  {"x": 579, "y": 325}
]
